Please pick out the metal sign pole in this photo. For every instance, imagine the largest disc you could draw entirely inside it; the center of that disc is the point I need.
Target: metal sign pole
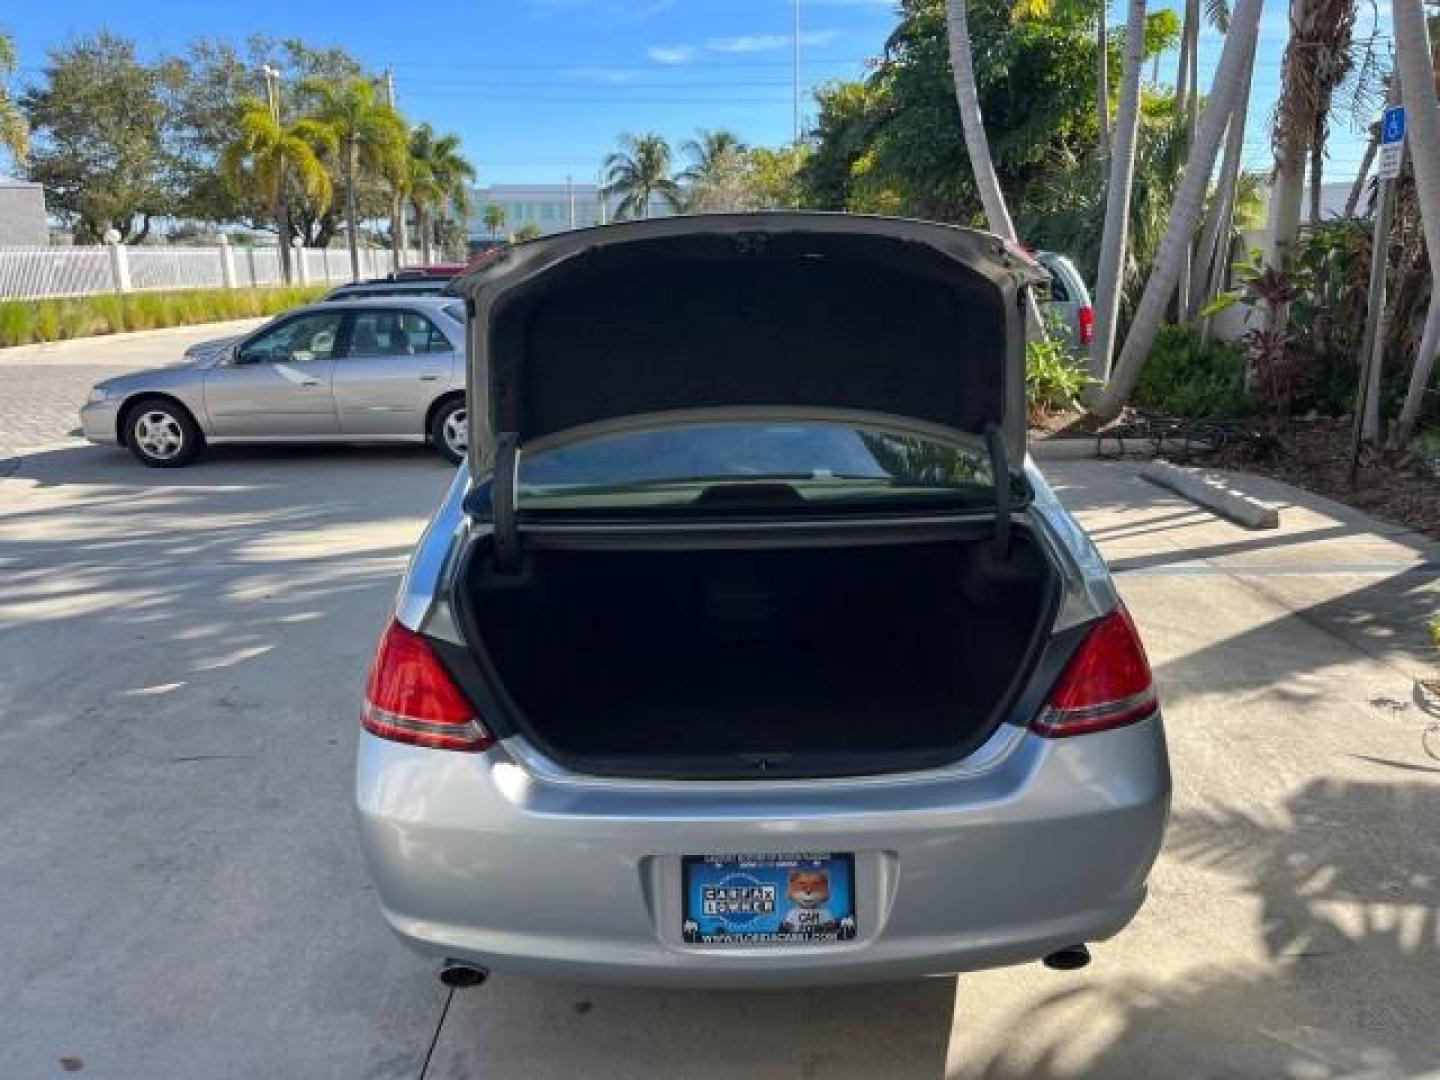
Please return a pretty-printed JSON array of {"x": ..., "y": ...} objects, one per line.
[{"x": 1372, "y": 349}]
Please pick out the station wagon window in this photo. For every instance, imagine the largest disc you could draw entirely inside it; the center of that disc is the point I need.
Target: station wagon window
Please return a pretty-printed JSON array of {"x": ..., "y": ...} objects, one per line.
[
  {"x": 714, "y": 464},
  {"x": 305, "y": 337},
  {"x": 395, "y": 332}
]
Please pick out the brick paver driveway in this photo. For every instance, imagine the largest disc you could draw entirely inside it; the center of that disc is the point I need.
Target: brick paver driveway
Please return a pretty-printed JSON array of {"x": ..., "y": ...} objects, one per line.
[{"x": 43, "y": 386}]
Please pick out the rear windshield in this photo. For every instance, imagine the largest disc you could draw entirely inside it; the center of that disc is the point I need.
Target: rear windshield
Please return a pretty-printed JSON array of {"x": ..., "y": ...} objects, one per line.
[{"x": 734, "y": 465}]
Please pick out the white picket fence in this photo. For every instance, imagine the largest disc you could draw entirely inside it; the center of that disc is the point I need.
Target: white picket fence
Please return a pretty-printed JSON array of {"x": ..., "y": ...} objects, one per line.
[{"x": 36, "y": 273}]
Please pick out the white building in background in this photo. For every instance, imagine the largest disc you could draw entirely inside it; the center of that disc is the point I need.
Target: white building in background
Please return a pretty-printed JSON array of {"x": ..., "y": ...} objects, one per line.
[
  {"x": 549, "y": 207},
  {"x": 22, "y": 213}
]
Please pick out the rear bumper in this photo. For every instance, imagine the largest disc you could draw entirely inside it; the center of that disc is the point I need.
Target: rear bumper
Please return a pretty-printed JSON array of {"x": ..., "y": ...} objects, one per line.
[{"x": 1048, "y": 844}]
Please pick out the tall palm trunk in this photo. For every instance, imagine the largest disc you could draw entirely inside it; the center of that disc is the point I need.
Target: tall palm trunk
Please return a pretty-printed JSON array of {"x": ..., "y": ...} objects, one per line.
[
  {"x": 1422, "y": 117},
  {"x": 1187, "y": 105},
  {"x": 1317, "y": 174},
  {"x": 282, "y": 238},
  {"x": 1214, "y": 250},
  {"x": 1294, "y": 124},
  {"x": 352, "y": 206},
  {"x": 397, "y": 230},
  {"x": 1117, "y": 196},
  {"x": 1358, "y": 188},
  {"x": 1231, "y": 76},
  {"x": 1102, "y": 81},
  {"x": 422, "y": 225},
  {"x": 972, "y": 123}
]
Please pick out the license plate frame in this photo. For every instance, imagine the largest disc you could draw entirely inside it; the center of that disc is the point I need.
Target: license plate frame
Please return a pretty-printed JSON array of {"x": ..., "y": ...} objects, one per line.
[{"x": 768, "y": 900}]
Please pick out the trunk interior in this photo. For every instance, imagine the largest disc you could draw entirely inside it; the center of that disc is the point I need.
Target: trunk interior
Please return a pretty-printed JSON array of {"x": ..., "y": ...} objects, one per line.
[{"x": 790, "y": 661}]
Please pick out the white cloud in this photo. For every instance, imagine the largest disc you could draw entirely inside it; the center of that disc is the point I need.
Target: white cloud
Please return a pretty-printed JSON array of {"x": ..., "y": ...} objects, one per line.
[
  {"x": 748, "y": 43},
  {"x": 607, "y": 76},
  {"x": 752, "y": 43},
  {"x": 671, "y": 54}
]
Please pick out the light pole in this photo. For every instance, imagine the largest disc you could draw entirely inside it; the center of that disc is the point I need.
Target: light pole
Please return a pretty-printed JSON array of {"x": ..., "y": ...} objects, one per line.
[
  {"x": 272, "y": 90},
  {"x": 797, "y": 72},
  {"x": 272, "y": 97}
]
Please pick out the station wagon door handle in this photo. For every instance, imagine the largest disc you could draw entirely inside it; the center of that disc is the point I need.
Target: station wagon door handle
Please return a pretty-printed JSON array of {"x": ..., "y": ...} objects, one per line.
[
  {"x": 428, "y": 378},
  {"x": 309, "y": 382}
]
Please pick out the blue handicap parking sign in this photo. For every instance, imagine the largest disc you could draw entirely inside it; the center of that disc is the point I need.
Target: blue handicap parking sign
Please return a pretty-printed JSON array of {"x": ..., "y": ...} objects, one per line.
[{"x": 1392, "y": 125}]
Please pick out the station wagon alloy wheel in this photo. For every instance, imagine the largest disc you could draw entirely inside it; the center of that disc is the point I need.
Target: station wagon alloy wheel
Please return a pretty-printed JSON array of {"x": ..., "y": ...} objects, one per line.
[
  {"x": 456, "y": 432},
  {"x": 450, "y": 430},
  {"x": 162, "y": 434},
  {"x": 159, "y": 435}
]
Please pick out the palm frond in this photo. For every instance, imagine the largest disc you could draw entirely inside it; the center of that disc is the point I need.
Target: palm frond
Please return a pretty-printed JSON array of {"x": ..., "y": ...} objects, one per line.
[{"x": 1217, "y": 14}]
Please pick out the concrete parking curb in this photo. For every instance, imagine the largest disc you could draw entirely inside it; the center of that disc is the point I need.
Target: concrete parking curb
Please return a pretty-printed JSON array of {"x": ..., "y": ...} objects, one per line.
[
  {"x": 1064, "y": 449},
  {"x": 1212, "y": 495}
]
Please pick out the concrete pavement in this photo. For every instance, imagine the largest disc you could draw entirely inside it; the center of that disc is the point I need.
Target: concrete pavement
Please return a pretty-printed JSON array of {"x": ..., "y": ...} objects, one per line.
[
  {"x": 181, "y": 656},
  {"x": 43, "y": 386}
]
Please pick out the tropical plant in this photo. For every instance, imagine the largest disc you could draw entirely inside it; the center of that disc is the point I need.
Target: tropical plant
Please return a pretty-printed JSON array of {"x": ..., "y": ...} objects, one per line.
[
  {"x": 14, "y": 132},
  {"x": 638, "y": 173},
  {"x": 717, "y": 177},
  {"x": 447, "y": 174},
  {"x": 1109, "y": 276},
  {"x": 370, "y": 137},
  {"x": 274, "y": 158},
  {"x": 494, "y": 219},
  {"x": 1054, "y": 377},
  {"x": 424, "y": 192},
  {"x": 1232, "y": 74},
  {"x": 1190, "y": 377},
  {"x": 967, "y": 96},
  {"x": 528, "y": 231}
]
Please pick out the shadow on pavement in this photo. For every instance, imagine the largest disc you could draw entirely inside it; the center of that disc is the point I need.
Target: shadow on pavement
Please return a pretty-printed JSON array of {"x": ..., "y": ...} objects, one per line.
[
  {"x": 181, "y": 660},
  {"x": 524, "y": 1028},
  {"x": 1347, "y": 885}
]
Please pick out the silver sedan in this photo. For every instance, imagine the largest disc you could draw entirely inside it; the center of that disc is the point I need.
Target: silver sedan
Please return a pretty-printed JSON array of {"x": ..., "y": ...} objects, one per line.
[{"x": 389, "y": 369}]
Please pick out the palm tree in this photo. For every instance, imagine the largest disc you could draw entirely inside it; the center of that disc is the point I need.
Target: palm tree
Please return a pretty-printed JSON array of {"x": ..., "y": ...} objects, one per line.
[
  {"x": 1117, "y": 196},
  {"x": 1413, "y": 61},
  {"x": 1102, "y": 80},
  {"x": 1215, "y": 237},
  {"x": 371, "y": 138},
  {"x": 14, "y": 132},
  {"x": 638, "y": 173},
  {"x": 275, "y": 159},
  {"x": 972, "y": 123},
  {"x": 398, "y": 178},
  {"x": 425, "y": 193},
  {"x": 449, "y": 171},
  {"x": 1232, "y": 74},
  {"x": 716, "y": 174},
  {"x": 494, "y": 219}
]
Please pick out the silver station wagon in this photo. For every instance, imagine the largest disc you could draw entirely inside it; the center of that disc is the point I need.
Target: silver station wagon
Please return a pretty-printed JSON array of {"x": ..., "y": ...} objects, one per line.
[
  {"x": 383, "y": 369},
  {"x": 749, "y": 649}
]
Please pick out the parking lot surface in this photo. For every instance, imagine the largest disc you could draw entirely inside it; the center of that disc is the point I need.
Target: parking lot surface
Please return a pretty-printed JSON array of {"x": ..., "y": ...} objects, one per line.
[{"x": 181, "y": 659}]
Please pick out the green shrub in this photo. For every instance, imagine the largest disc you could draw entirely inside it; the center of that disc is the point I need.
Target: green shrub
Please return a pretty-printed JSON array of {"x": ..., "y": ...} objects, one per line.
[
  {"x": 1194, "y": 379},
  {"x": 26, "y": 321},
  {"x": 1054, "y": 377}
]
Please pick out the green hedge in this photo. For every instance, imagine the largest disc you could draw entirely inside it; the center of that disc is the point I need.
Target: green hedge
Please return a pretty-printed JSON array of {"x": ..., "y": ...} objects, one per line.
[{"x": 25, "y": 321}]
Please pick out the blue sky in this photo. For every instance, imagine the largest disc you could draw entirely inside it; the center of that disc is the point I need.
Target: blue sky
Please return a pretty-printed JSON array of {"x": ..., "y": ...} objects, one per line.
[{"x": 539, "y": 89}]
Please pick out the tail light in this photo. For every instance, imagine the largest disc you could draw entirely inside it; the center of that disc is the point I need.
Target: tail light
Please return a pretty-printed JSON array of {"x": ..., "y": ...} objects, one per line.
[
  {"x": 410, "y": 697},
  {"x": 1087, "y": 324},
  {"x": 1107, "y": 683}
]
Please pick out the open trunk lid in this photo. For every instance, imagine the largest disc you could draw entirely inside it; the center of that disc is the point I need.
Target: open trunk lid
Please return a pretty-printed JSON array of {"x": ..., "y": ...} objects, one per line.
[{"x": 736, "y": 315}]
